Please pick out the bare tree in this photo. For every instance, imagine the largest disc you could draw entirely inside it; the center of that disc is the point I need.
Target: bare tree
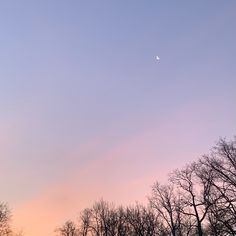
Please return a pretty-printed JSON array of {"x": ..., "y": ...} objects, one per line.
[
  {"x": 222, "y": 162},
  {"x": 68, "y": 229},
  {"x": 195, "y": 193},
  {"x": 163, "y": 201},
  {"x": 102, "y": 219},
  {"x": 5, "y": 216},
  {"x": 166, "y": 201},
  {"x": 85, "y": 222},
  {"x": 142, "y": 220}
]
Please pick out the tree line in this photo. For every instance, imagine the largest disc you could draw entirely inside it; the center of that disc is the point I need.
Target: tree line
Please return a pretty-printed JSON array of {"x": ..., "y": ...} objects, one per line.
[{"x": 198, "y": 199}]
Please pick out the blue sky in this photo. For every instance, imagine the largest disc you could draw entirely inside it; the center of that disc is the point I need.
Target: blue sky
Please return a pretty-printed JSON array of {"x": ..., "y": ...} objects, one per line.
[{"x": 79, "y": 79}]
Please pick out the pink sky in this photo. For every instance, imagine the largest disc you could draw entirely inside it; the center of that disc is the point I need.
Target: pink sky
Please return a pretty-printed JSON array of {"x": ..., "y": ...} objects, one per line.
[
  {"x": 86, "y": 110},
  {"x": 118, "y": 174}
]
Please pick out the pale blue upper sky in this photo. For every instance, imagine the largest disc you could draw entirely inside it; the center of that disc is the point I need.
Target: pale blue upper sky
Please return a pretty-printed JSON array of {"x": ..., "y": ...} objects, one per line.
[{"x": 72, "y": 72}]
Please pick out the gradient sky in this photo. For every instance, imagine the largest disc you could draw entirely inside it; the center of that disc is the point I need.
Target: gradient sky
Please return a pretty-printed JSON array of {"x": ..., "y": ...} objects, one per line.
[{"x": 86, "y": 111}]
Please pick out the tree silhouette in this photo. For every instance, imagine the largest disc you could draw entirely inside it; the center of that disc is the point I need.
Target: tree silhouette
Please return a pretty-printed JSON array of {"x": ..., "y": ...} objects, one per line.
[
  {"x": 68, "y": 229},
  {"x": 222, "y": 162},
  {"x": 5, "y": 217},
  {"x": 200, "y": 199}
]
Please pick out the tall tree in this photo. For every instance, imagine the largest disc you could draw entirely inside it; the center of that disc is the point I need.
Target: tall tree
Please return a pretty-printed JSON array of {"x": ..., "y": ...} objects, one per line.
[
  {"x": 222, "y": 162},
  {"x": 195, "y": 193},
  {"x": 165, "y": 202}
]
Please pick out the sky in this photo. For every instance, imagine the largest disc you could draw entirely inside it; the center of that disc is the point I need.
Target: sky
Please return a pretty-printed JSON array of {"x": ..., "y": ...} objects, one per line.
[{"x": 86, "y": 110}]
